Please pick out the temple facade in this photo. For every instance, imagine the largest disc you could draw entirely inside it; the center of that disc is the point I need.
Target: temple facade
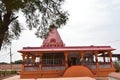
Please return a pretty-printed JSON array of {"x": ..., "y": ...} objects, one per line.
[{"x": 54, "y": 59}]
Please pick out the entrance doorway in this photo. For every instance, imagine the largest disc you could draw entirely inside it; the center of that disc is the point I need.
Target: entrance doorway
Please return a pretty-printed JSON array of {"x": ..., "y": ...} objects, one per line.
[{"x": 74, "y": 60}]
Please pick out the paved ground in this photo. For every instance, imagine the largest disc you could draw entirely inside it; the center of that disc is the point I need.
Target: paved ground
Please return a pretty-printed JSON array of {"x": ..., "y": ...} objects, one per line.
[{"x": 17, "y": 77}]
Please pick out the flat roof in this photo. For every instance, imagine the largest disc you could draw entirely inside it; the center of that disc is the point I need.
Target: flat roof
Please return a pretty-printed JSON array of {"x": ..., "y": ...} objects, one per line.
[{"x": 68, "y": 48}]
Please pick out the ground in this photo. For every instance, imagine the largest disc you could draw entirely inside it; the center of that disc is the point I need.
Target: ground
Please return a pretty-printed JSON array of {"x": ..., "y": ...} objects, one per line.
[{"x": 17, "y": 77}]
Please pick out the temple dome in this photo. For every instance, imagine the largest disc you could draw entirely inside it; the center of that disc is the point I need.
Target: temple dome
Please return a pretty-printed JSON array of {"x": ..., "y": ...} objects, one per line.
[{"x": 53, "y": 39}]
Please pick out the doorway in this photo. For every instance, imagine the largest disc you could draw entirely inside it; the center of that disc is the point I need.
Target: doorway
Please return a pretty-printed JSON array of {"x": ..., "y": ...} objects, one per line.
[{"x": 73, "y": 60}]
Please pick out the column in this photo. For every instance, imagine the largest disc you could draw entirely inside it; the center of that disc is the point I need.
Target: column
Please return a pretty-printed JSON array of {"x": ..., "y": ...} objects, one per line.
[
  {"x": 110, "y": 53},
  {"x": 104, "y": 57},
  {"x": 66, "y": 59},
  {"x": 23, "y": 61},
  {"x": 33, "y": 60},
  {"x": 40, "y": 62},
  {"x": 82, "y": 57},
  {"x": 28, "y": 62},
  {"x": 96, "y": 58}
]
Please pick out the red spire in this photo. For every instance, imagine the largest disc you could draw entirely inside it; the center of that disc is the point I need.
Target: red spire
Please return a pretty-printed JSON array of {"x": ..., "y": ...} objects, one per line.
[{"x": 53, "y": 39}]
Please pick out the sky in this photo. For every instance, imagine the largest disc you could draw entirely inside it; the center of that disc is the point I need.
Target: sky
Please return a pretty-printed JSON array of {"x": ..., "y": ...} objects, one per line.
[{"x": 91, "y": 22}]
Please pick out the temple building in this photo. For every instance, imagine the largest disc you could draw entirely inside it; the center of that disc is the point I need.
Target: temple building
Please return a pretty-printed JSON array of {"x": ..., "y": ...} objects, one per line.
[{"x": 54, "y": 59}]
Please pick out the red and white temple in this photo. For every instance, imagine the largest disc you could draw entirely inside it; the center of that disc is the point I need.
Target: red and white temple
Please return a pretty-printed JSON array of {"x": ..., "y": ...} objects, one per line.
[{"x": 54, "y": 59}]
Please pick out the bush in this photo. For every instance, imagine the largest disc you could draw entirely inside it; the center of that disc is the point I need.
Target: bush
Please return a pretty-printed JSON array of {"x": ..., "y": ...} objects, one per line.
[
  {"x": 117, "y": 70},
  {"x": 7, "y": 73},
  {"x": 117, "y": 66},
  {"x": 13, "y": 72}
]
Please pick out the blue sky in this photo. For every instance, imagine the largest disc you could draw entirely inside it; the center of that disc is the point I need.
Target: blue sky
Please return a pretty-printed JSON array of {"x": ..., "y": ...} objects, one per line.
[{"x": 91, "y": 22}]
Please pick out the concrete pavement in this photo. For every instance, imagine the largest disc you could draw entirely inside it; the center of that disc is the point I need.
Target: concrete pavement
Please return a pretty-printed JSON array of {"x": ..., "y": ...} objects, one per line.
[{"x": 17, "y": 77}]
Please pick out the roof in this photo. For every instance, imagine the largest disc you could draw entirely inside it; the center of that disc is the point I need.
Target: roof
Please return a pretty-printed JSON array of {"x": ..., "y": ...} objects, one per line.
[
  {"x": 54, "y": 43},
  {"x": 68, "y": 48},
  {"x": 53, "y": 39}
]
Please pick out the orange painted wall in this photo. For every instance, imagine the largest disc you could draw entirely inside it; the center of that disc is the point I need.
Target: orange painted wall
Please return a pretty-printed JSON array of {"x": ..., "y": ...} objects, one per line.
[
  {"x": 73, "y": 71},
  {"x": 78, "y": 71}
]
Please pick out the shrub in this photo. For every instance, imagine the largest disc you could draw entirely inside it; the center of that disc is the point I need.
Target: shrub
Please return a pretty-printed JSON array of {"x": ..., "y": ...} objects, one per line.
[{"x": 7, "y": 73}]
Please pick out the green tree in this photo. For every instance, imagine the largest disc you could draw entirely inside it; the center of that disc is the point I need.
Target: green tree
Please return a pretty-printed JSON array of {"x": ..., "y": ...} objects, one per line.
[
  {"x": 39, "y": 14},
  {"x": 18, "y": 62},
  {"x": 3, "y": 63}
]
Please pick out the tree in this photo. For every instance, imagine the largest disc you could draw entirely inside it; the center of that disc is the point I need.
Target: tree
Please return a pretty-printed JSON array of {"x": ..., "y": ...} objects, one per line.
[
  {"x": 39, "y": 14},
  {"x": 18, "y": 62},
  {"x": 3, "y": 63}
]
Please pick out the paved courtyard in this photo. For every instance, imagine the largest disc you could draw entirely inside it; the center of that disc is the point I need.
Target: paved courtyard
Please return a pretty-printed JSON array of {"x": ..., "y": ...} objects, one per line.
[{"x": 17, "y": 77}]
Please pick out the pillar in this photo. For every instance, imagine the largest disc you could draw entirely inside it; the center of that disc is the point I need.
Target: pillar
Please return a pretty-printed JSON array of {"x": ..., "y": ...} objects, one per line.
[
  {"x": 33, "y": 60},
  {"x": 110, "y": 53},
  {"x": 40, "y": 61},
  {"x": 96, "y": 58},
  {"x": 28, "y": 59},
  {"x": 23, "y": 61},
  {"x": 66, "y": 59},
  {"x": 104, "y": 57},
  {"x": 82, "y": 57}
]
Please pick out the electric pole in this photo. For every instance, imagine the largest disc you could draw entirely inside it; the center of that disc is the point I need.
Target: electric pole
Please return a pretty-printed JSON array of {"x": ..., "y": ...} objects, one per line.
[{"x": 10, "y": 59}]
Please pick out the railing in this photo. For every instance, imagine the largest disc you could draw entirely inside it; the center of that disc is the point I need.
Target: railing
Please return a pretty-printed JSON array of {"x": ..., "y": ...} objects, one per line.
[
  {"x": 92, "y": 66},
  {"x": 104, "y": 65},
  {"x": 31, "y": 68},
  {"x": 53, "y": 68},
  {"x": 101, "y": 65},
  {"x": 52, "y": 62}
]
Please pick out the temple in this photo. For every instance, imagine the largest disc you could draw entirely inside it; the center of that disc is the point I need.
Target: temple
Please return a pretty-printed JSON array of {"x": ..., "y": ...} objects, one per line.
[{"x": 54, "y": 59}]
